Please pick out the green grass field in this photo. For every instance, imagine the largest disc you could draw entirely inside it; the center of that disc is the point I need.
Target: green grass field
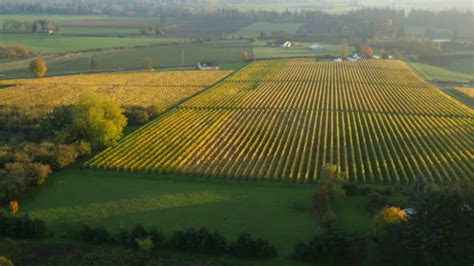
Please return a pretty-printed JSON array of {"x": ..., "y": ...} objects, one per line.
[
  {"x": 132, "y": 58},
  {"x": 267, "y": 27},
  {"x": 57, "y": 43},
  {"x": 456, "y": 61},
  {"x": 261, "y": 50},
  {"x": 433, "y": 73},
  {"x": 99, "y": 31},
  {"x": 280, "y": 213}
]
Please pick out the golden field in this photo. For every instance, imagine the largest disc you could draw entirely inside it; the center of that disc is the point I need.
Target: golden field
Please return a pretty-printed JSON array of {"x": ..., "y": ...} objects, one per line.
[{"x": 159, "y": 89}]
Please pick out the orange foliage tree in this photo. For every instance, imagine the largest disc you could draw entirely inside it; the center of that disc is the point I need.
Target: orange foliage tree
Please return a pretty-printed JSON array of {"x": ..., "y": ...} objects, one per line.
[
  {"x": 38, "y": 67},
  {"x": 13, "y": 206},
  {"x": 388, "y": 216},
  {"x": 366, "y": 51}
]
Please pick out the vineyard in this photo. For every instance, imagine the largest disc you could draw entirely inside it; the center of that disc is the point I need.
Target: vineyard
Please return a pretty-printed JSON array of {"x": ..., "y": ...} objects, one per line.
[
  {"x": 377, "y": 121},
  {"x": 158, "y": 89}
]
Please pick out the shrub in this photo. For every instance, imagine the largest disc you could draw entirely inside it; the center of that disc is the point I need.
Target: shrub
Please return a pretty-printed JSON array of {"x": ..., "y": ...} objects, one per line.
[
  {"x": 145, "y": 244},
  {"x": 13, "y": 207},
  {"x": 351, "y": 189},
  {"x": 137, "y": 115},
  {"x": 137, "y": 232},
  {"x": 38, "y": 67},
  {"x": 98, "y": 235},
  {"x": 5, "y": 262},
  {"x": 375, "y": 203},
  {"x": 201, "y": 240},
  {"x": 333, "y": 248},
  {"x": 159, "y": 239},
  {"x": 247, "y": 247},
  {"x": 388, "y": 216},
  {"x": 21, "y": 227}
]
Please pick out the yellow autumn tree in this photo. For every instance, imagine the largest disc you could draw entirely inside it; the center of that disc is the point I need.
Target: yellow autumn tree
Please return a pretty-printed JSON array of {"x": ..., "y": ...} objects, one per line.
[
  {"x": 38, "y": 67},
  {"x": 5, "y": 262},
  {"x": 388, "y": 216},
  {"x": 245, "y": 56},
  {"x": 344, "y": 49},
  {"x": 13, "y": 206}
]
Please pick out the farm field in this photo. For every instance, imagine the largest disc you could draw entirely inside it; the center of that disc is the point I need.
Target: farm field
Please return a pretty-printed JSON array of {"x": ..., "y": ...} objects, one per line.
[
  {"x": 434, "y": 73},
  {"x": 99, "y": 31},
  {"x": 221, "y": 52},
  {"x": 464, "y": 95},
  {"x": 300, "y": 49},
  {"x": 267, "y": 28},
  {"x": 468, "y": 92},
  {"x": 169, "y": 202},
  {"x": 285, "y": 120},
  {"x": 58, "y": 43},
  {"x": 459, "y": 62},
  {"x": 158, "y": 89}
]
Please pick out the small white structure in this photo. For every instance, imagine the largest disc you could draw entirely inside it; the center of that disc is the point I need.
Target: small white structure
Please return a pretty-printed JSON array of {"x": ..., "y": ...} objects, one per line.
[
  {"x": 409, "y": 212},
  {"x": 316, "y": 47},
  {"x": 376, "y": 57},
  {"x": 50, "y": 32},
  {"x": 390, "y": 57},
  {"x": 356, "y": 56},
  {"x": 352, "y": 59},
  {"x": 338, "y": 60},
  {"x": 287, "y": 44},
  {"x": 204, "y": 66}
]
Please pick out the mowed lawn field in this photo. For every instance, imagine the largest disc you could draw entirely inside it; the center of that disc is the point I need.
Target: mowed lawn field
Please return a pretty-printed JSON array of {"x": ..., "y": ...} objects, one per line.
[
  {"x": 281, "y": 213},
  {"x": 286, "y": 119}
]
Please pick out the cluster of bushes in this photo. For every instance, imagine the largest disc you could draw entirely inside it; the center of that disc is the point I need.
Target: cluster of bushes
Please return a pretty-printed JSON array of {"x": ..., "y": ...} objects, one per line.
[
  {"x": 37, "y": 26},
  {"x": 329, "y": 190},
  {"x": 352, "y": 189},
  {"x": 440, "y": 231},
  {"x": 29, "y": 164},
  {"x": 14, "y": 51},
  {"x": 334, "y": 247},
  {"x": 21, "y": 227},
  {"x": 138, "y": 115},
  {"x": 189, "y": 240}
]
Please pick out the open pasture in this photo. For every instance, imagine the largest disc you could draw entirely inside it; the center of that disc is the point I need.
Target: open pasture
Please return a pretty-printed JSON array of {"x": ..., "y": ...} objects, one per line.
[
  {"x": 58, "y": 43},
  {"x": 377, "y": 121},
  {"x": 158, "y": 89},
  {"x": 220, "y": 52}
]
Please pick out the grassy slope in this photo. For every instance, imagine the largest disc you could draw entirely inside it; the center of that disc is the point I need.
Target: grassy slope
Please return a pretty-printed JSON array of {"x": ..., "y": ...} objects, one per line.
[
  {"x": 76, "y": 196},
  {"x": 437, "y": 73}
]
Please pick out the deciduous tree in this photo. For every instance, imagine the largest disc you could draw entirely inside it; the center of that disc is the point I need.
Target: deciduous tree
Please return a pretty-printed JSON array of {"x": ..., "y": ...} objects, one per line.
[
  {"x": 344, "y": 49},
  {"x": 13, "y": 207},
  {"x": 388, "y": 216},
  {"x": 246, "y": 56},
  {"x": 98, "y": 120},
  {"x": 38, "y": 67},
  {"x": 147, "y": 63},
  {"x": 367, "y": 51}
]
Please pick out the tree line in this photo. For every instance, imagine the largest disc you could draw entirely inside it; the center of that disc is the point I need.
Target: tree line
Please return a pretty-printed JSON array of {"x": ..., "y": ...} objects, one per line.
[
  {"x": 439, "y": 230},
  {"x": 36, "y": 26},
  {"x": 364, "y": 23}
]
